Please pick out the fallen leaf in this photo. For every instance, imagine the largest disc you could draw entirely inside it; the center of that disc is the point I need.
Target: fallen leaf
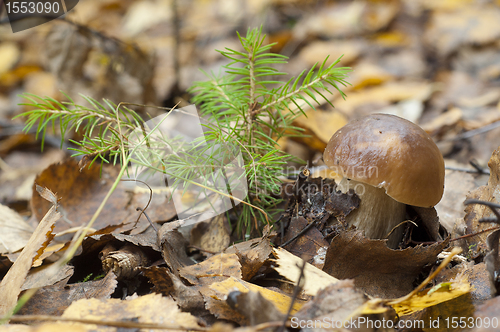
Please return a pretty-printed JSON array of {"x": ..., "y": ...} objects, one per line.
[
  {"x": 317, "y": 51},
  {"x": 376, "y": 269},
  {"x": 80, "y": 195},
  {"x": 486, "y": 316},
  {"x": 40, "y": 277},
  {"x": 307, "y": 244},
  {"x": 153, "y": 308},
  {"x": 281, "y": 302},
  {"x": 253, "y": 258},
  {"x": 476, "y": 246},
  {"x": 213, "y": 235},
  {"x": 254, "y": 307},
  {"x": 173, "y": 248},
  {"x": 9, "y": 53},
  {"x": 14, "y": 231},
  {"x": 388, "y": 93},
  {"x": 217, "y": 265},
  {"x": 319, "y": 126},
  {"x": 288, "y": 266},
  {"x": 433, "y": 296},
  {"x": 449, "y": 30},
  {"x": 54, "y": 300},
  {"x": 11, "y": 284}
]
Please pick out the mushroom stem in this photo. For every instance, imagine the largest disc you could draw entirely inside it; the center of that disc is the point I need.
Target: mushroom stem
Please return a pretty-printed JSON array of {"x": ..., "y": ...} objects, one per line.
[{"x": 377, "y": 214}]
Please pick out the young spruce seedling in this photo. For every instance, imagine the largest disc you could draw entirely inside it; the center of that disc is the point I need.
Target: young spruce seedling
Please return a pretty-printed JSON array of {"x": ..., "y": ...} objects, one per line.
[{"x": 246, "y": 104}]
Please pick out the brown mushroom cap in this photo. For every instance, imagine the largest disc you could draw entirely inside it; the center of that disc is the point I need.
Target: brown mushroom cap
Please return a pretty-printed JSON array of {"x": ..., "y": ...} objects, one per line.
[{"x": 389, "y": 152}]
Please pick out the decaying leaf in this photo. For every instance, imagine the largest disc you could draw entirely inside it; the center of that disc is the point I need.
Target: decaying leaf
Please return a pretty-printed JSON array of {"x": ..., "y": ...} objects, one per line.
[
  {"x": 488, "y": 314},
  {"x": 81, "y": 193},
  {"x": 173, "y": 248},
  {"x": 280, "y": 301},
  {"x": 252, "y": 255},
  {"x": 14, "y": 231},
  {"x": 11, "y": 284},
  {"x": 158, "y": 276},
  {"x": 40, "y": 277},
  {"x": 217, "y": 265},
  {"x": 288, "y": 267},
  {"x": 306, "y": 244},
  {"x": 438, "y": 294},
  {"x": 338, "y": 306},
  {"x": 153, "y": 308},
  {"x": 492, "y": 260},
  {"x": 476, "y": 246},
  {"x": 376, "y": 269},
  {"x": 213, "y": 235},
  {"x": 53, "y": 300},
  {"x": 450, "y": 29},
  {"x": 254, "y": 307}
]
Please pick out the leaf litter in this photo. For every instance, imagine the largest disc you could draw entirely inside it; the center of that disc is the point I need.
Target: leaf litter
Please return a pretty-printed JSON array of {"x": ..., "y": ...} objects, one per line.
[{"x": 449, "y": 76}]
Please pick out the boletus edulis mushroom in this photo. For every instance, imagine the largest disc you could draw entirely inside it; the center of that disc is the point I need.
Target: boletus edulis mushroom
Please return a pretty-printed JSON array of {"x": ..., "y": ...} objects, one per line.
[{"x": 389, "y": 162}]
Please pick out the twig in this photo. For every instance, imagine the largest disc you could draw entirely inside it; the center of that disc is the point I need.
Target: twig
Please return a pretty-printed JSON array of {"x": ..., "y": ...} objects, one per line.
[
  {"x": 475, "y": 132},
  {"x": 296, "y": 291},
  {"x": 424, "y": 283},
  {"x": 491, "y": 205},
  {"x": 128, "y": 324},
  {"x": 302, "y": 232},
  {"x": 477, "y": 168}
]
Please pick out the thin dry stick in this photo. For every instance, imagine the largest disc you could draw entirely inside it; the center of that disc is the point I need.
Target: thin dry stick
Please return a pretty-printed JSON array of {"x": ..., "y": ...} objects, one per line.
[
  {"x": 296, "y": 291},
  {"x": 128, "y": 324}
]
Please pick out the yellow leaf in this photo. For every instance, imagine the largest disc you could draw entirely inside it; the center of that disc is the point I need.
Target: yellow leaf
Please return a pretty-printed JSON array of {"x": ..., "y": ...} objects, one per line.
[
  {"x": 429, "y": 298},
  {"x": 280, "y": 301}
]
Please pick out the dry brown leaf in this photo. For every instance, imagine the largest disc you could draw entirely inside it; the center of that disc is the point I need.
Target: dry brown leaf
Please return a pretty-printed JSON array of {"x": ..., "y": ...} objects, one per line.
[
  {"x": 40, "y": 277},
  {"x": 376, "y": 269},
  {"x": 152, "y": 308},
  {"x": 451, "y": 208},
  {"x": 11, "y": 284},
  {"x": 449, "y": 30},
  {"x": 443, "y": 121},
  {"x": 158, "y": 276},
  {"x": 81, "y": 193},
  {"x": 319, "y": 126},
  {"x": 253, "y": 258},
  {"x": 280, "y": 301},
  {"x": 343, "y": 19},
  {"x": 254, "y": 307},
  {"x": 387, "y": 93},
  {"x": 173, "y": 248},
  {"x": 337, "y": 306},
  {"x": 53, "y": 300},
  {"x": 307, "y": 245},
  {"x": 488, "y": 313},
  {"x": 212, "y": 235},
  {"x": 317, "y": 51},
  {"x": 44, "y": 327},
  {"x": 368, "y": 74},
  {"x": 217, "y": 265},
  {"x": 476, "y": 245},
  {"x": 14, "y": 231},
  {"x": 288, "y": 266},
  {"x": 9, "y": 53}
]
